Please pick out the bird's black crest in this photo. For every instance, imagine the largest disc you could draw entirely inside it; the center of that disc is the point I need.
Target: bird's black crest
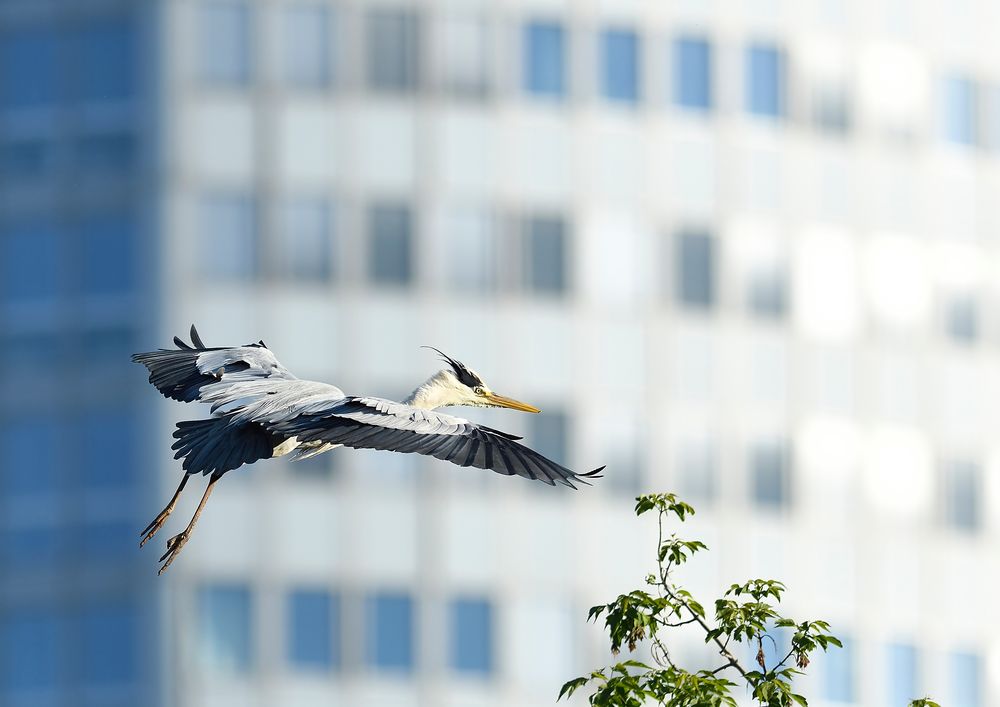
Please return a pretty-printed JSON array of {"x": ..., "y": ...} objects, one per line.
[{"x": 464, "y": 375}]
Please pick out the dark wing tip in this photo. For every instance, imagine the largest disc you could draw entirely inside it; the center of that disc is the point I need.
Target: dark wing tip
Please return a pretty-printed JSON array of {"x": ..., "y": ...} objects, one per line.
[
  {"x": 196, "y": 339},
  {"x": 595, "y": 474}
]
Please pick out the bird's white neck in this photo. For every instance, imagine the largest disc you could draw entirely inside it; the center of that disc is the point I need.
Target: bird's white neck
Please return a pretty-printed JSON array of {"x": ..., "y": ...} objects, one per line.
[{"x": 439, "y": 390}]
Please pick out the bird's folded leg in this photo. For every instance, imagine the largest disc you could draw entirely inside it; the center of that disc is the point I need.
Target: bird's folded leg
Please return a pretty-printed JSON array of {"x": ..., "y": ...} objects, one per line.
[
  {"x": 176, "y": 543},
  {"x": 154, "y": 527}
]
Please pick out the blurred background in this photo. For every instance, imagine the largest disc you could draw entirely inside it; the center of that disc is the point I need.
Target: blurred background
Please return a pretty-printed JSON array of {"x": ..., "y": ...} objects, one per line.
[{"x": 745, "y": 250}]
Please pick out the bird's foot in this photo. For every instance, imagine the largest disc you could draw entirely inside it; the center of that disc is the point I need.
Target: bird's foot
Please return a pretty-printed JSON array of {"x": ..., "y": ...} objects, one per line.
[
  {"x": 154, "y": 527},
  {"x": 174, "y": 546}
]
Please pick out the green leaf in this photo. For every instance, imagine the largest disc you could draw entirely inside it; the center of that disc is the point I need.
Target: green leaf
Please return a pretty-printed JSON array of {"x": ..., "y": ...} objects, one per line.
[{"x": 570, "y": 687}]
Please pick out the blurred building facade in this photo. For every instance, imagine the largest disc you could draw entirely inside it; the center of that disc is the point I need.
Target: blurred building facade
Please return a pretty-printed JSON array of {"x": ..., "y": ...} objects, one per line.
[{"x": 741, "y": 250}]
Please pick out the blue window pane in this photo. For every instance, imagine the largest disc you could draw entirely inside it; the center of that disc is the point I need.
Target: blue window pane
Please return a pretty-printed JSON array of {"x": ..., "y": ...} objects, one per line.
[
  {"x": 108, "y": 346},
  {"x": 620, "y": 65},
  {"x": 228, "y": 247},
  {"x": 545, "y": 59},
  {"x": 692, "y": 73},
  {"x": 695, "y": 269},
  {"x": 29, "y": 650},
  {"x": 393, "y": 49},
  {"x": 108, "y": 264},
  {"x": 389, "y": 633},
  {"x": 29, "y": 68},
  {"x": 902, "y": 682},
  {"x": 307, "y": 242},
  {"x": 769, "y": 475},
  {"x": 106, "y": 153},
  {"x": 838, "y": 679},
  {"x": 224, "y": 628},
  {"x": 32, "y": 547},
  {"x": 307, "y": 45},
  {"x": 390, "y": 257},
  {"x": 962, "y": 319},
  {"x": 472, "y": 636},
  {"x": 29, "y": 258},
  {"x": 108, "y": 450},
  {"x": 965, "y": 680},
  {"x": 107, "y": 60},
  {"x": 545, "y": 255},
  {"x": 110, "y": 644},
  {"x": 29, "y": 455},
  {"x": 959, "y": 108},
  {"x": 108, "y": 542},
  {"x": 26, "y": 159},
  {"x": 549, "y": 435},
  {"x": 765, "y": 80},
  {"x": 225, "y": 42},
  {"x": 313, "y": 629},
  {"x": 962, "y": 494}
]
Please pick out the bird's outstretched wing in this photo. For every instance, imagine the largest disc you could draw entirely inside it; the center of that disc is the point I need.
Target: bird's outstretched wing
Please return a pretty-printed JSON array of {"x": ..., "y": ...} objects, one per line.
[
  {"x": 183, "y": 373},
  {"x": 374, "y": 423}
]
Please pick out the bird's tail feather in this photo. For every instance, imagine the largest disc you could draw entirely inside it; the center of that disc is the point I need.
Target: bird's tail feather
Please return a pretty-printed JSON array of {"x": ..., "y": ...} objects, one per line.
[{"x": 217, "y": 445}]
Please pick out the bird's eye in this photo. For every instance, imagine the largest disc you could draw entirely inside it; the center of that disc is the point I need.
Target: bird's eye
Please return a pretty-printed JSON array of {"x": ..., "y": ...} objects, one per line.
[{"x": 478, "y": 390}]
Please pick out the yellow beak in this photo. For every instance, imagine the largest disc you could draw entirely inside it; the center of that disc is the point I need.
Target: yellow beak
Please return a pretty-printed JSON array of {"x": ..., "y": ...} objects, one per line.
[{"x": 504, "y": 402}]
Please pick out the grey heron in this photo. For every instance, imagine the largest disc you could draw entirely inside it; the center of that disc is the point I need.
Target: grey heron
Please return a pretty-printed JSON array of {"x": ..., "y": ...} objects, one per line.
[{"x": 259, "y": 410}]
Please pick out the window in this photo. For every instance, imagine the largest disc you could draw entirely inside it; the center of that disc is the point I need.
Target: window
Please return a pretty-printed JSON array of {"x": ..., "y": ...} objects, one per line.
[
  {"x": 695, "y": 269},
  {"x": 107, "y": 60},
  {"x": 959, "y": 102},
  {"x": 26, "y": 159},
  {"x": 35, "y": 47},
  {"x": 962, "y": 319},
  {"x": 472, "y": 250},
  {"x": 228, "y": 245},
  {"x": 765, "y": 80},
  {"x": 769, "y": 475},
  {"x": 32, "y": 546},
  {"x": 545, "y": 255},
  {"x": 962, "y": 491},
  {"x": 29, "y": 455},
  {"x": 313, "y": 629},
  {"x": 697, "y": 469},
  {"x": 307, "y": 45},
  {"x": 109, "y": 440},
  {"x": 224, "y": 628},
  {"x": 108, "y": 259},
  {"x": 767, "y": 291},
  {"x": 29, "y": 649},
  {"x": 390, "y": 632},
  {"x": 319, "y": 467},
  {"x": 29, "y": 261},
  {"x": 838, "y": 683},
  {"x": 549, "y": 435},
  {"x": 105, "y": 153},
  {"x": 306, "y": 242},
  {"x": 390, "y": 245},
  {"x": 471, "y": 636},
  {"x": 692, "y": 73},
  {"x": 393, "y": 49},
  {"x": 830, "y": 105},
  {"x": 225, "y": 42},
  {"x": 545, "y": 59},
  {"x": 465, "y": 52},
  {"x": 620, "y": 448},
  {"x": 107, "y": 542},
  {"x": 965, "y": 680},
  {"x": 110, "y": 643},
  {"x": 902, "y": 682},
  {"x": 620, "y": 65}
]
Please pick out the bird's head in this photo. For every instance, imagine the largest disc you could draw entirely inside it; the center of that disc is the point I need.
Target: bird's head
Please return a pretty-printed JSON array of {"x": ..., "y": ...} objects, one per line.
[{"x": 460, "y": 385}]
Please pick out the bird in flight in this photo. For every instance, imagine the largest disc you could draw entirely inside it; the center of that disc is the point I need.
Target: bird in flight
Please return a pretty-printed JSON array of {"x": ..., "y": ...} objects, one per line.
[{"x": 260, "y": 410}]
